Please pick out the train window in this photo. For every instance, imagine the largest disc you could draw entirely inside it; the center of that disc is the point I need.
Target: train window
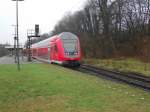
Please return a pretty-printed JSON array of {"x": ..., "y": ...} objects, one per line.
[{"x": 70, "y": 45}]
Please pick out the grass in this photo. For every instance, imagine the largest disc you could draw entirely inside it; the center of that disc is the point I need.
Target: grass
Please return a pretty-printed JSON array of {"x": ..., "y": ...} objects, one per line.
[
  {"x": 49, "y": 88},
  {"x": 127, "y": 65}
]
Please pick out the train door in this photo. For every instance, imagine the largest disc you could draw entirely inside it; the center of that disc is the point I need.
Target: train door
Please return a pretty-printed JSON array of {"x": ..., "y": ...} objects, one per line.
[
  {"x": 56, "y": 51},
  {"x": 52, "y": 52}
]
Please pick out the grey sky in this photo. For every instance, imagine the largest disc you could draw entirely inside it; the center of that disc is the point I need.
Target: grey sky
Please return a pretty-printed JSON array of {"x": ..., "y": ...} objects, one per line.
[{"x": 46, "y": 13}]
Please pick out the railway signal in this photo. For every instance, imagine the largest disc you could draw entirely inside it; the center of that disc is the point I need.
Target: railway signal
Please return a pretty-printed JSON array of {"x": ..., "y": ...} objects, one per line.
[
  {"x": 30, "y": 34},
  {"x": 36, "y": 30}
]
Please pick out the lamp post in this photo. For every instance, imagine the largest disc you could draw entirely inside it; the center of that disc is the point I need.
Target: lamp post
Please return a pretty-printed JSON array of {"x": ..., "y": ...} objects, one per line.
[
  {"x": 17, "y": 34},
  {"x": 15, "y": 44}
]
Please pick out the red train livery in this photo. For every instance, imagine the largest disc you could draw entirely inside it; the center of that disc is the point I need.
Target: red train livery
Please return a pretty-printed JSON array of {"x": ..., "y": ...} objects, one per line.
[{"x": 61, "y": 49}]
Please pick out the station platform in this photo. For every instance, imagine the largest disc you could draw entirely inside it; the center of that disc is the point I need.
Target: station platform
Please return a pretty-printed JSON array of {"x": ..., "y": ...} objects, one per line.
[{"x": 11, "y": 60}]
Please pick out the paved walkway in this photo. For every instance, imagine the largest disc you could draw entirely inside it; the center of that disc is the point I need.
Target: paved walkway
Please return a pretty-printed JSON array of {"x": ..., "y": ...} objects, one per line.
[{"x": 11, "y": 60}]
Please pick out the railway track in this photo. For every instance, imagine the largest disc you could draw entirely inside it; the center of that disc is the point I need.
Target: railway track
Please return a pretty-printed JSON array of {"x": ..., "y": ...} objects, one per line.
[{"x": 132, "y": 79}]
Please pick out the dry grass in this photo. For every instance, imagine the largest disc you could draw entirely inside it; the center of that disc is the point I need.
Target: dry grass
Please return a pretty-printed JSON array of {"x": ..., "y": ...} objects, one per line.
[{"x": 127, "y": 65}]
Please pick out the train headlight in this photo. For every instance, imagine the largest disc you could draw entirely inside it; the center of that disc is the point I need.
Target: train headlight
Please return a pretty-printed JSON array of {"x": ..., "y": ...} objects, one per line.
[
  {"x": 76, "y": 53},
  {"x": 66, "y": 53}
]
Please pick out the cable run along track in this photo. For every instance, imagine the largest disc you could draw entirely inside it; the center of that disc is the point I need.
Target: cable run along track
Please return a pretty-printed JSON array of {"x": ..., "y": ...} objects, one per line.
[{"x": 132, "y": 79}]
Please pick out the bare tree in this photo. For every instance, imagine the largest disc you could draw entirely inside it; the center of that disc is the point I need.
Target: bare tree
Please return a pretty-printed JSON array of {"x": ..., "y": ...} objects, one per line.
[{"x": 115, "y": 26}]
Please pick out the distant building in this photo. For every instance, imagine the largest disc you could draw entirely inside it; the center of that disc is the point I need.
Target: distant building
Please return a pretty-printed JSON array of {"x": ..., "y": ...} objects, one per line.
[{"x": 11, "y": 48}]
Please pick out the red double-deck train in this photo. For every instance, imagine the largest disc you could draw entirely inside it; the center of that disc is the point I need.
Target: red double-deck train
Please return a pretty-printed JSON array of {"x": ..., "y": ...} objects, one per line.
[{"x": 62, "y": 49}]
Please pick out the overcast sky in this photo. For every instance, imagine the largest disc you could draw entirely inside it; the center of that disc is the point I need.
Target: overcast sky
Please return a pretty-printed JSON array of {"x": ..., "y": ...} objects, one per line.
[{"x": 46, "y": 13}]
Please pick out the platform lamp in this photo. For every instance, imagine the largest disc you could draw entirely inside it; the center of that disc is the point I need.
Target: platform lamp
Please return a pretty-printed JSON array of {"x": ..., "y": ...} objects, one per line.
[{"x": 17, "y": 35}]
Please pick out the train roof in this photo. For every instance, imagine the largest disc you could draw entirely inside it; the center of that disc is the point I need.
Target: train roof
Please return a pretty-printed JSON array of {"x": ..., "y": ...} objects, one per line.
[
  {"x": 42, "y": 43},
  {"x": 67, "y": 35},
  {"x": 63, "y": 36}
]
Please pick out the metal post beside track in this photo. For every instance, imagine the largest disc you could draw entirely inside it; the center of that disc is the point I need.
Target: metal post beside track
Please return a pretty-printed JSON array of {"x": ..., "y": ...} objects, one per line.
[
  {"x": 30, "y": 34},
  {"x": 17, "y": 34}
]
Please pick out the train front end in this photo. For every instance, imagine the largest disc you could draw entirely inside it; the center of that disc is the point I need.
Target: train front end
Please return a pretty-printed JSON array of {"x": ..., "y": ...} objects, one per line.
[{"x": 71, "y": 49}]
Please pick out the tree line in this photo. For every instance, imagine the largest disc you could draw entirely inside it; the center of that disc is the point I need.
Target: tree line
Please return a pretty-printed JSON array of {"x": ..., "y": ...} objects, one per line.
[{"x": 110, "y": 28}]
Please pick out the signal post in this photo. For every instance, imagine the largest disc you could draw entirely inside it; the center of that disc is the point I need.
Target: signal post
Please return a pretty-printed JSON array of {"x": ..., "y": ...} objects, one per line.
[{"x": 30, "y": 34}]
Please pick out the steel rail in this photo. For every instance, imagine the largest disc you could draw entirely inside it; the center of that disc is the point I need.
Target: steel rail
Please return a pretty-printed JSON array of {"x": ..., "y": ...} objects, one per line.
[{"x": 128, "y": 78}]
